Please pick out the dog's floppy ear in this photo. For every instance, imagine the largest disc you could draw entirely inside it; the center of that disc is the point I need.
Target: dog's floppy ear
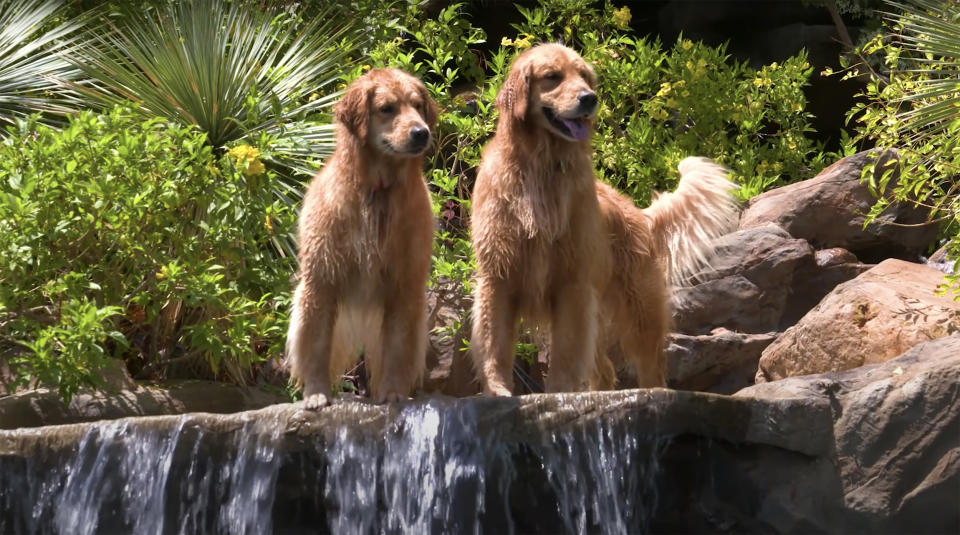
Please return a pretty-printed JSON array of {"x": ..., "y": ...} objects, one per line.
[
  {"x": 515, "y": 93},
  {"x": 354, "y": 108},
  {"x": 429, "y": 108}
]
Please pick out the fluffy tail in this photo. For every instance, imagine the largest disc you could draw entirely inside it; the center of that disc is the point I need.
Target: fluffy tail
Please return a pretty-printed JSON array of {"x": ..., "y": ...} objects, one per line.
[{"x": 685, "y": 221}]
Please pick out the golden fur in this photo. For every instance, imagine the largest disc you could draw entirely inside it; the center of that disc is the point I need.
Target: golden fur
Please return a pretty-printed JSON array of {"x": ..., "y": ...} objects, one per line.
[
  {"x": 564, "y": 251},
  {"x": 365, "y": 238}
]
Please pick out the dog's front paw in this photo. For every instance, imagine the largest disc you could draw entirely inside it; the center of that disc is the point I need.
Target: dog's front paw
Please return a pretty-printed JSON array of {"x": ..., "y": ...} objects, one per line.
[
  {"x": 315, "y": 402},
  {"x": 497, "y": 390}
]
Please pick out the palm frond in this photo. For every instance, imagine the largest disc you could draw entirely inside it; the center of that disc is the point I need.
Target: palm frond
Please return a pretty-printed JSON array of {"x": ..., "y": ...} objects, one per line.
[
  {"x": 231, "y": 68},
  {"x": 30, "y": 64},
  {"x": 929, "y": 35}
]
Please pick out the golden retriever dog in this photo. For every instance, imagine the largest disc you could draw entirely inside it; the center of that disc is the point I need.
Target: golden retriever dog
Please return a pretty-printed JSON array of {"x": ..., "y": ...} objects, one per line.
[
  {"x": 568, "y": 253},
  {"x": 365, "y": 239}
]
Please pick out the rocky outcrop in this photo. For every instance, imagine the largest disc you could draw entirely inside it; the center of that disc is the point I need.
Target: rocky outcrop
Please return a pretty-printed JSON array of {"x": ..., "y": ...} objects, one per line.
[
  {"x": 35, "y": 408},
  {"x": 896, "y": 428},
  {"x": 721, "y": 362},
  {"x": 871, "y": 450},
  {"x": 829, "y": 211},
  {"x": 600, "y": 462},
  {"x": 875, "y": 317},
  {"x": 761, "y": 281}
]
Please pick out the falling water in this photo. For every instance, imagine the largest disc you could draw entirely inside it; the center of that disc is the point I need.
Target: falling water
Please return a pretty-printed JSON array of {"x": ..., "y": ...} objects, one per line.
[{"x": 439, "y": 466}]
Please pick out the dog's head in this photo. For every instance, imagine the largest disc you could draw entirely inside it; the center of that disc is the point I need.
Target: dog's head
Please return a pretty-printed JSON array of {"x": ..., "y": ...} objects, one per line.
[
  {"x": 552, "y": 87},
  {"x": 388, "y": 111}
]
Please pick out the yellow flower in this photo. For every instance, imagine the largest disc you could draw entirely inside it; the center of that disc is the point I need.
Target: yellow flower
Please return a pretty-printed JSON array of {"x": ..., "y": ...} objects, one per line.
[
  {"x": 506, "y": 41},
  {"x": 664, "y": 89},
  {"x": 248, "y": 158},
  {"x": 621, "y": 17},
  {"x": 255, "y": 168},
  {"x": 686, "y": 45},
  {"x": 523, "y": 43},
  {"x": 162, "y": 274},
  {"x": 365, "y": 67},
  {"x": 268, "y": 224},
  {"x": 797, "y": 106}
]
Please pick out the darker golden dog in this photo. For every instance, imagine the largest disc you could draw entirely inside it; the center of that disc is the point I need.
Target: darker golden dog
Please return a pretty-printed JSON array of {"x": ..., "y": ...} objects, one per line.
[
  {"x": 365, "y": 238},
  {"x": 569, "y": 253}
]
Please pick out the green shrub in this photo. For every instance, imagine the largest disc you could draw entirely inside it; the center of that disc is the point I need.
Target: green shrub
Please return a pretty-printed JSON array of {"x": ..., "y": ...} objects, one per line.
[
  {"x": 912, "y": 104},
  {"x": 128, "y": 238}
]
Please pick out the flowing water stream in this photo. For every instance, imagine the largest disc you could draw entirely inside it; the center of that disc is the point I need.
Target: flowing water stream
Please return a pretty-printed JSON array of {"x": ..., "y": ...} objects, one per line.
[{"x": 438, "y": 466}]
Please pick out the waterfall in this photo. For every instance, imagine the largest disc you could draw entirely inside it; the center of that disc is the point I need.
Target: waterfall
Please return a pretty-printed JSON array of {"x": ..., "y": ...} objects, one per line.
[{"x": 434, "y": 466}]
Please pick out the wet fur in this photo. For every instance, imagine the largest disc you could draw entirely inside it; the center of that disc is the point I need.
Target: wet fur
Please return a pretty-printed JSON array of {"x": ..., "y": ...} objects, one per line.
[
  {"x": 365, "y": 239},
  {"x": 569, "y": 253}
]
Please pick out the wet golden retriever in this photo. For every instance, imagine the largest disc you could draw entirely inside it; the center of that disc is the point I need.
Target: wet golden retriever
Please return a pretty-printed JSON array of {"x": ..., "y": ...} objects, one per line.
[
  {"x": 567, "y": 252},
  {"x": 365, "y": 238}
]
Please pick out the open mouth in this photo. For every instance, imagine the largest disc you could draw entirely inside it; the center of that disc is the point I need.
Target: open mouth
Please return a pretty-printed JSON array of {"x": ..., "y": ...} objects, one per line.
[{"x": 577, "y": 129}]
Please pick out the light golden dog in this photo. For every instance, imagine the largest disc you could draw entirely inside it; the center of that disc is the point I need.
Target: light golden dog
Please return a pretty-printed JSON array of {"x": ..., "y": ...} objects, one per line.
[
  {"x": 564, "y": 251},
  {"x": 365, "y": 238}
]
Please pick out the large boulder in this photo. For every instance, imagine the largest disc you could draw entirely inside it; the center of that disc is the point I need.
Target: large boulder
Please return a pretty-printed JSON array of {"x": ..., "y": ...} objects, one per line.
[
  {"x": 872, "y": 318},
  {"x": 748, "y": 285},
  {"x": 897, "y": 437},
  {"x": 829, "y": 211},
  {"x": 760, "y": 280}
]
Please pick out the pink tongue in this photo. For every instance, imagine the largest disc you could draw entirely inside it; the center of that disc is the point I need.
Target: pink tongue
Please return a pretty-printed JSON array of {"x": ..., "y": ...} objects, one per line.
[{"x": 578, "y": 129}]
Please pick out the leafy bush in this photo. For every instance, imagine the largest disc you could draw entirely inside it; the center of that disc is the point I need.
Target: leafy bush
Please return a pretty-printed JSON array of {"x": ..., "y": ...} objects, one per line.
[
  {"x": 130, "y": 238},
  {"x": 913, "y": 105}
]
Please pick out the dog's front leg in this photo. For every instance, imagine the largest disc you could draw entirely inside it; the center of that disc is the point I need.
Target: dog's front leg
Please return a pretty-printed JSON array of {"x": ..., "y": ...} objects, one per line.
[
  {"x": 494, "y": 332},
  {"x": 573, "y": 333},
  {"x": 403, "y": 355},
  {"x": 309, "y": 341}
]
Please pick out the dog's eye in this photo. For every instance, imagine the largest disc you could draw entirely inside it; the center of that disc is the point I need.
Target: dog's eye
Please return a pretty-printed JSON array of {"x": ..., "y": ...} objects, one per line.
[
  {"x": 388, "y": 109},
  {"x": 553, "y": 76}
]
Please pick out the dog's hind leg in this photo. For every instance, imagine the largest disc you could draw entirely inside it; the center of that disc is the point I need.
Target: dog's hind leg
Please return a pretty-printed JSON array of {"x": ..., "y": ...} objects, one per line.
[
  {"x": 309, "y": 342},
  {"x": 573, "y": 335},
  {"x": 494, "y": 332},
  {"x": 643, "y": 332}
]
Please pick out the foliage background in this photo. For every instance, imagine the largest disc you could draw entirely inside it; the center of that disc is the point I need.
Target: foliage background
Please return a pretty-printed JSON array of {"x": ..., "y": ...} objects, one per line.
[{"x": 145, "y": 238}]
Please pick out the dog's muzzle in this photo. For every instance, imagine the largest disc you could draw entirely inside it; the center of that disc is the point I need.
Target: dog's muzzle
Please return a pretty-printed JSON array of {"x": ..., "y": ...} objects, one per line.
[{"x": 419, "y": 137}]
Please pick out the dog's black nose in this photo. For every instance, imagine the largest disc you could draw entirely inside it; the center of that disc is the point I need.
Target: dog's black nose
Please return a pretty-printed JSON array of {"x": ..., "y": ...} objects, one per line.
[
  {"x": 419, "y": 136},
  {"x": 587, "y": 100}
]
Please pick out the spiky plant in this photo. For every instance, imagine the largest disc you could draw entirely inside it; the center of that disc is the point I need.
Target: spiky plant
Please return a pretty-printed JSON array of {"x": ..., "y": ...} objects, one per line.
[
  {"x": 29, "y": 64},
  {"x": 235, "y": 69},
  {"x": 917, "y": 110}
]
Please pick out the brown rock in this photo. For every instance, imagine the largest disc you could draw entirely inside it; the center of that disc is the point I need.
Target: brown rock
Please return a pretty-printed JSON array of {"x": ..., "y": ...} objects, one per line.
[
  {"x": 761, "y": 280},
  {"x": 897, "y": 432},
  {"x": 448, "y": 367},
  {"x": 721, "y": 362},
  {"x": 877, "y": 316},
  {"x": 44, "y": 407},
  {"x": 748, "y": 285},
  {"x": 828, "y": 211}
]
